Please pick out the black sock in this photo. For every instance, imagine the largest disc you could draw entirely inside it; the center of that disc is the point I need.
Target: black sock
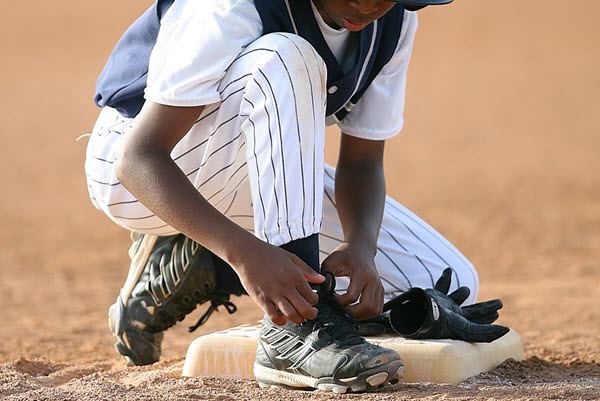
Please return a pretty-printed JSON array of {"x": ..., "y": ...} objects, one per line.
[
  {"x": 227, "y": 279},
  {"x": 306, "y": 249}
]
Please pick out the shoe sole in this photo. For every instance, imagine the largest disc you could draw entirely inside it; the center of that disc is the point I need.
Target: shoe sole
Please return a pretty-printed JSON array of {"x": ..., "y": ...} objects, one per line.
[
  {"x": 122, "y": 345},
  {"x": 369, "y": 380}
]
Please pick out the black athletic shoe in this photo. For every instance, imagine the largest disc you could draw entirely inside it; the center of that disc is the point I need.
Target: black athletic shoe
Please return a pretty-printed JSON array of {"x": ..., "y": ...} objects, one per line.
[
  {"x": 178, "y": 274},
  {"x": 326, "y": 353}
]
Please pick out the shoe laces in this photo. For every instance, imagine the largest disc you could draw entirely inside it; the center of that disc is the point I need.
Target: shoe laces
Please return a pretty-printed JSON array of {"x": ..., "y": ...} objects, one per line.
[
  {"x": 333, "y": 318},
  {"x": 173, "y": 313},
  {"x": 216, "y": 301},
  {"x": 170, "y": 272}
]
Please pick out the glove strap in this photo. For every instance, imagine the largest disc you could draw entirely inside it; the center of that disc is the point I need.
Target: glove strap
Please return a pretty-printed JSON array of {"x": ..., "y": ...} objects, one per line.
[{"x": 413, "y": 312}]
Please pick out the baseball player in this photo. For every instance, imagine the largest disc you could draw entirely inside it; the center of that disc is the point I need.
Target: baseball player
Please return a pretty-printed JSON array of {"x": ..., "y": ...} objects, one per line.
[{"x": 210, "y": 149}]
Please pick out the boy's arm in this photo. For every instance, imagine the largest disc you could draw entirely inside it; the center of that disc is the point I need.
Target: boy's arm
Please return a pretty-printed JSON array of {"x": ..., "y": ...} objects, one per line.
[
  {"x": 275, "y": 279},
  {"x": 360, "y": 184},
  {"x": 360, "y": 198}
]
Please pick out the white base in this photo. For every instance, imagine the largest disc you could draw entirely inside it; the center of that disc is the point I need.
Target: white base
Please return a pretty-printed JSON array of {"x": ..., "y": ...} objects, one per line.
[{"x": 231, "y": 353}]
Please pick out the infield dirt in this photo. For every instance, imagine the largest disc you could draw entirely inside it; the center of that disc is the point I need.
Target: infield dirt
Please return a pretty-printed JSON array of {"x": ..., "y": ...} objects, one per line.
[{"x": 500, "y": 152}]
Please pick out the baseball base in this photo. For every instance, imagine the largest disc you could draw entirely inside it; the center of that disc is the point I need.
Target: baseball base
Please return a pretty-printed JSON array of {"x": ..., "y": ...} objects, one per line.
[{"x": 231, "y": 352}]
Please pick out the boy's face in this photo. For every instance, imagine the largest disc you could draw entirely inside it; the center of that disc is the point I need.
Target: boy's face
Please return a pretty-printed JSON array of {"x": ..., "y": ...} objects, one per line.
[{"x": 353, "y": 15}]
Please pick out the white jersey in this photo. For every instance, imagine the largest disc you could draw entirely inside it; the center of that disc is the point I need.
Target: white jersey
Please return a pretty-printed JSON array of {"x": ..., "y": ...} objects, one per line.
[{"x": 199, "y": 40}]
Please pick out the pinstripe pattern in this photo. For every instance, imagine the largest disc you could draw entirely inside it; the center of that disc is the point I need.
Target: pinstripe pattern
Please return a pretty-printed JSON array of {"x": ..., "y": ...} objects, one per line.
[
  {"x": 409, "y": 252},
  {"x": 258, "y": 136},
  {"x": 283, "y": 167},
  {"x": 315, "y": 118},
  {"x": 257, "y": 156}
]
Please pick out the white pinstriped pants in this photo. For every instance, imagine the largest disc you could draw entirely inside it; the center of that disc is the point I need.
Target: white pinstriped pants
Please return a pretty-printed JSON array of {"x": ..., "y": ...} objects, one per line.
[{"x": 258, "y": 157}]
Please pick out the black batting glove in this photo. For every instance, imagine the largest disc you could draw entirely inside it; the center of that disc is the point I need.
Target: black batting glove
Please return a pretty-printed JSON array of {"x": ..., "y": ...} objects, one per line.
[{"x": 434, "y": 314}]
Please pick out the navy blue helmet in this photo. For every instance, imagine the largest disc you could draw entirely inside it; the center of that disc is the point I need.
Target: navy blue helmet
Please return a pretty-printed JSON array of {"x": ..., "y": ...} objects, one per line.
[{"x": 414, "y": 5}]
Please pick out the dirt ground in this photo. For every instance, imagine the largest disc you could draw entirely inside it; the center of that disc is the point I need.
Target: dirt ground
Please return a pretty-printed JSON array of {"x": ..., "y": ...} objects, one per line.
[{"x": 499, "y": 152}]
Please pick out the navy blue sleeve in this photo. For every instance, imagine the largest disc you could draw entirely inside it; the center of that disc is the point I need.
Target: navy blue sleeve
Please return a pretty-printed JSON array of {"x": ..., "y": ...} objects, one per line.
[{"x": 123, "y": 80}]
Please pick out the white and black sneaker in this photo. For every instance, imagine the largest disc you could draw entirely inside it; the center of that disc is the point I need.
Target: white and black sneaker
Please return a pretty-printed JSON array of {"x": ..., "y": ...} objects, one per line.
[
  {"x": 326, "y": 353},
  {"x": 169, "y": 276}
]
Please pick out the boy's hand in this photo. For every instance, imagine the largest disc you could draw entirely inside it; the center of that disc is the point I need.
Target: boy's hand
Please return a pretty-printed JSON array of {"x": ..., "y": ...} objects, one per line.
[
  {"x": 365, "y": 284},
  {"x": 277, "y": 281}
]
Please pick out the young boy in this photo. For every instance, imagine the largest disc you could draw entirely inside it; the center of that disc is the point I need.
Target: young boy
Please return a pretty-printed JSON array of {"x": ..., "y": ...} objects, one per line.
[{"x": 210, "y": 150}]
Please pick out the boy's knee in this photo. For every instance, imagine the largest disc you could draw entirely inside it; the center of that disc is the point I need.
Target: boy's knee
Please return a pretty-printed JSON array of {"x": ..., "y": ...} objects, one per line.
[{"x": 293, "y": 56}]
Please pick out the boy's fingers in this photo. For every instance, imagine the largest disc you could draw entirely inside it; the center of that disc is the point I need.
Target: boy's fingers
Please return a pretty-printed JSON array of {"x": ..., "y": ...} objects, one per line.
[
  {"x": 358, "y": 311},
  {"x": 289, "y": 311},
  {"x": 380, "y": 299},
  {"x": 304, "y": 309},
  {"x": 274, "y": 315},
  {"x": 307, "y": 293},
  {"x": 368, "y": 306},
  {"x": 352, "y": 293},
  {"x": 309, "y": 274},
  {"x": 312, "y": 276}
]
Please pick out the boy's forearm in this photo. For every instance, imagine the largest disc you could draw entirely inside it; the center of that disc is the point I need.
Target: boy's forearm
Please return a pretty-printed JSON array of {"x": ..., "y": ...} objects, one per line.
[
  {"x": 162, "y": 187},
  {"x": 360, "y": 198},
  {"x": 144, "y": 166}
]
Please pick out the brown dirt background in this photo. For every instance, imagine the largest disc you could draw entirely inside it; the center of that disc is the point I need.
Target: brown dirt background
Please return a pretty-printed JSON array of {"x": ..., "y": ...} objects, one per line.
[{"x": 499, "y": 152}]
